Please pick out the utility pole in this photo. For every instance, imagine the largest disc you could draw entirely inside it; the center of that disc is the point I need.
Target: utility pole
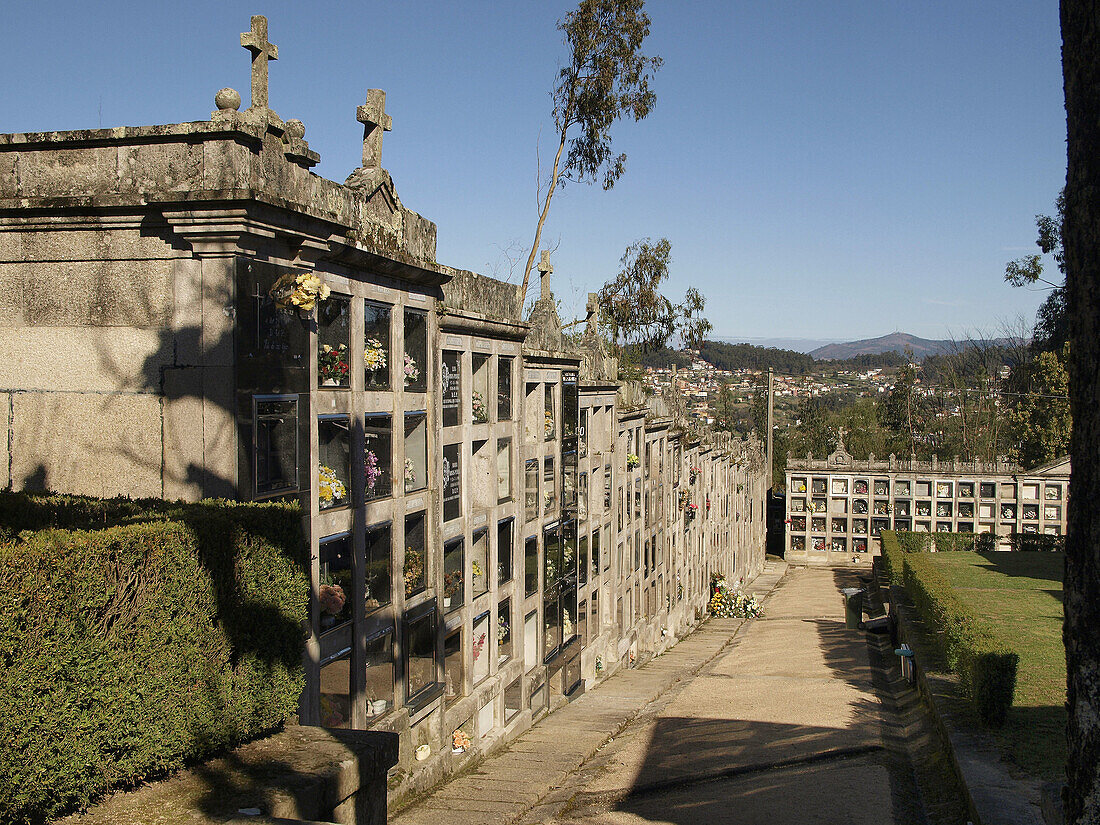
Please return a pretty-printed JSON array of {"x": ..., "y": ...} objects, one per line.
[{"x": 771, "y": 393}]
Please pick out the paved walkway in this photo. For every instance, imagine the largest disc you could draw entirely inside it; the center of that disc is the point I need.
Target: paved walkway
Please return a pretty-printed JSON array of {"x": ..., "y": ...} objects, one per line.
[
  {"x": 521, "y": 780},
  {"x": 773, "y": 721}
]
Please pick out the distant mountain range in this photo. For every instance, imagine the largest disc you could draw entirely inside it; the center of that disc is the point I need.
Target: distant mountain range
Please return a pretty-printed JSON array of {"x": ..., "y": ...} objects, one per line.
[{"x": 894, "y": 342}]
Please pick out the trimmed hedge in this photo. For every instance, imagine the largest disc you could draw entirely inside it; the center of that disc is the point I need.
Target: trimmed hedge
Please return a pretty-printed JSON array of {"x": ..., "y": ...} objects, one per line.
[
  {"x": 914, "y": 542},
  {"x": 166, "y": 633},
  {"x": 893, "y": 557},
  {"x": 985, "y": 665},
  {"x": 1038, "y": 542}
]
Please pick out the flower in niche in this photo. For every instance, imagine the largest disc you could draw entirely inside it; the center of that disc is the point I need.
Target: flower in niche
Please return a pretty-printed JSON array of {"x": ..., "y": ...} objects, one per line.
[
  {"x": 452, "y": 583},
  {"x": 479, "y": 646},
  {"x": 411, "y": 371},
  {"x": 330, "y": 489},
  {"x": 460, "y": 740},
  {"x": 414, "y": 570},
  {"x": 548, "y": 424},
  {"x": 502, "y": 631},
  {"x": 481, "y": 414},
  {"x": 374, "y": 355},
  {"x": 410, "y": 472},
  {"x": 371, "y": 469},
  {"x": 331, "y": 599},
  {"x": 632, "y": 461},
  {"x": 332, "y": 363}
]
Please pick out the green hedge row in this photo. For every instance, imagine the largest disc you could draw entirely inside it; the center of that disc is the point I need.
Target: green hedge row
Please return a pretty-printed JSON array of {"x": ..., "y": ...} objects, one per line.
[
  {"x": 1038, "y": 542},
  {"x": 921, "y": 542},
  {"x": 893, "y": 556},
  {"x": 136, "y": 637},
  {"x": 985, "y": 665}
]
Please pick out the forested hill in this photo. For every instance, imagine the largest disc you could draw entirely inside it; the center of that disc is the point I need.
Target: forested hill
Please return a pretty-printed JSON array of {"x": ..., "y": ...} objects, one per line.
[{"x": 749, "y": 357}]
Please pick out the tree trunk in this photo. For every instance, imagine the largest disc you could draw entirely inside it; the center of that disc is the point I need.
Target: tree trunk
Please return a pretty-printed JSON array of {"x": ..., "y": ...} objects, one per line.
[{"x": 1081, "y": 236}]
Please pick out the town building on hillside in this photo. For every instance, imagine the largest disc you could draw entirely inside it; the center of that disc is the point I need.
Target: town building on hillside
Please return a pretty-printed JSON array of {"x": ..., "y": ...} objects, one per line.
[
  {"x": 493, "y": 521},
  {"x": 837, "y": 507}
]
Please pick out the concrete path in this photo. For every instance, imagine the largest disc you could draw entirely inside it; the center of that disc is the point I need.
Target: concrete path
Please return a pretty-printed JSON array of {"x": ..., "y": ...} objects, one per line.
[
  {"x": 775, "y": 721},
  {"x": 526, "y": 776}
]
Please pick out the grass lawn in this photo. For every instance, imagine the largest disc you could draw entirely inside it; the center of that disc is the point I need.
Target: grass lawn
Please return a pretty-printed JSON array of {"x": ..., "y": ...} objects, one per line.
[{"x": 1020, "y": 594}]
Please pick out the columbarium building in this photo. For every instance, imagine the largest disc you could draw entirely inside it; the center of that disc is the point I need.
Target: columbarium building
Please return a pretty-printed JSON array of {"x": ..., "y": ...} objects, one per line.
[
  {"x": 495, "y": 523},
  {"x": 837, "y": 507}
]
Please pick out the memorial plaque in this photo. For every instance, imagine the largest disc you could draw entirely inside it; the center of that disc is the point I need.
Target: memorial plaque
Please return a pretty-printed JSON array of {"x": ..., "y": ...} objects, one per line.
[
  {"x": 450, "y": 388},
  {"x": 452, "y": 482}
]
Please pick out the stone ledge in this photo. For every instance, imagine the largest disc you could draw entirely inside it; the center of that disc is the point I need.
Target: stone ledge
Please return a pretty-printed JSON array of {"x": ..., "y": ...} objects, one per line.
[{"x": 301, "y": 774}]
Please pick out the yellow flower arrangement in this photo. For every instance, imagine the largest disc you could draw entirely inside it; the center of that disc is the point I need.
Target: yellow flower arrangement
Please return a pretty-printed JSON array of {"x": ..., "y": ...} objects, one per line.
[
  {"x": 303, "y": 291},
  {"x": 330, "y": 489}
]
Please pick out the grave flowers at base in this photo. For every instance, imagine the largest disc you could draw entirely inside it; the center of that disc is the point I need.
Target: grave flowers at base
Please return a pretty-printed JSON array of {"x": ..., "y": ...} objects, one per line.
[{"x": 730, "y": 602}]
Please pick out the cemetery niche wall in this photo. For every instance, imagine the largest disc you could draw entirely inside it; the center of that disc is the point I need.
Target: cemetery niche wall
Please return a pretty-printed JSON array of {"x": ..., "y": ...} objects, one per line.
[
  {"x": 838, "y": 506},
  {"x": 494, "y": 525}
]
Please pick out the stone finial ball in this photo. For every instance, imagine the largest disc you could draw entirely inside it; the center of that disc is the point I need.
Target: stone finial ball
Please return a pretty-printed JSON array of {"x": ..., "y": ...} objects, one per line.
[
  {"x": 295, "y": 128},
  {"x": 228, "y": 99}
]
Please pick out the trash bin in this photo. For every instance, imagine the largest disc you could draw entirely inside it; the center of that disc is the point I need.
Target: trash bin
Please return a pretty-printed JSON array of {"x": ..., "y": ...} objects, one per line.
[{"x": 853, "y": 607}]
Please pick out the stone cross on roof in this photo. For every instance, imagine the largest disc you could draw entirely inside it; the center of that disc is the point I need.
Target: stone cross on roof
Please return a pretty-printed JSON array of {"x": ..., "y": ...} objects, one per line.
[
  {"x": 545, "y": 269},
  {"x": 593, "y": 310},
  {"x": 262, "y": 51},
  {"x": 372, "y": 115}
]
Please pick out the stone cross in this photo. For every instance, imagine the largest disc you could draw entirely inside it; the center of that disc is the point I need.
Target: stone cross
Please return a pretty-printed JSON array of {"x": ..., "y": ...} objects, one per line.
[
  {"x": 593, "y": 310},
  {"x": 544, "y": 270},
  {"x": 372, "y": 115},
  {"x": 262, "y": 51}
]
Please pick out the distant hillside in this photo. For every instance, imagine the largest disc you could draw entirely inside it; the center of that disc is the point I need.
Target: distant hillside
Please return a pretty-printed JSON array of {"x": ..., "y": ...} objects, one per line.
[
  {"x": 804, "y": 345},
  {"x": 894, "y": 342},
  {"x": 748, "y": 357}
]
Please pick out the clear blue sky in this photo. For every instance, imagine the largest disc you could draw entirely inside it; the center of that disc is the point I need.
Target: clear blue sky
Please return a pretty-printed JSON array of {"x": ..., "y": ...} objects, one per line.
[{"x": 830, "y": 169}]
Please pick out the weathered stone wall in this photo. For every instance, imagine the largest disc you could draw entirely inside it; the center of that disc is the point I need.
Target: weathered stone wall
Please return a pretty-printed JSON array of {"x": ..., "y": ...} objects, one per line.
[{"x": 232, "y": 158}]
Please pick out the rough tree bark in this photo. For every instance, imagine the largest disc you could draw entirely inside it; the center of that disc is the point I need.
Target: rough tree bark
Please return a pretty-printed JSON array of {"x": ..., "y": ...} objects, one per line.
[{"x": 1081, "y": 238}]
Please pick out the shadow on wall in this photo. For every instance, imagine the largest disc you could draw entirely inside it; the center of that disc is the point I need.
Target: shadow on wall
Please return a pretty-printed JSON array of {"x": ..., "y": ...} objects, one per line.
[{"x": 137, "y": 410}]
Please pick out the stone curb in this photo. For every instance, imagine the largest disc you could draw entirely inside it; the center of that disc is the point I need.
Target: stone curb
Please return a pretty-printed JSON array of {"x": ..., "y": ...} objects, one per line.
[
  {"x": 408, "y": 815},
  {"x": 993, "y": 796}
]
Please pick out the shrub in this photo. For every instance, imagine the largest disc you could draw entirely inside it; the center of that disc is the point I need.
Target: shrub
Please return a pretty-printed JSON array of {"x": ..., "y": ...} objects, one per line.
[
  {"x": 986, "y": 666},
  {"x": 985, "y": 543},
  {"x": 954, "y": 542},
  {"x": 169, "y": 633},
  {"x": 892, "y": 556},
  {"x": 1038, "y": 542},
  {"x": 911, "y": 542}
]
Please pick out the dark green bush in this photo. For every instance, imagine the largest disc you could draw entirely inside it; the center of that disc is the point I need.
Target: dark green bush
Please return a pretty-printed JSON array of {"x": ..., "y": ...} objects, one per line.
[
  {"x": 1038, "y": 542},
  {"x": 911, "y": 542},
  {"x": 986, "y": 666},
  {"x": 985, "y": 542},
  {"x": 954, "y": 542},
  {"x": 169, "y": 633},
  {"x": 892, "y": 556}
]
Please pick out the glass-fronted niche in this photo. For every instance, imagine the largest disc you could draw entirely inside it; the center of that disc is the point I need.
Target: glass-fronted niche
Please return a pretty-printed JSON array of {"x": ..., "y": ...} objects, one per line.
[
  {"x": 416, "y": 451},
  {"x": 450, "y": 387},
  {"x": 335, "y": 609},
  {"x": 333, "y": 461},
  {"x": 333, "y": 337},
  {"x": 452, "y": 482},
  {"x": 559, "y": 586},
  {"x": 415, "y": 368},
  {"x": 421, "y": 685},
  {"x": 377, "y": 456},
  {"x": 275, "y": 439}
]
